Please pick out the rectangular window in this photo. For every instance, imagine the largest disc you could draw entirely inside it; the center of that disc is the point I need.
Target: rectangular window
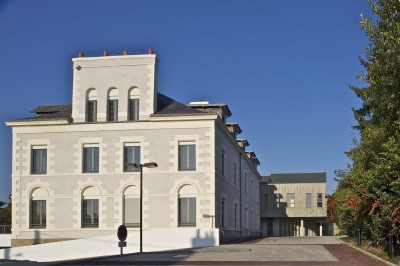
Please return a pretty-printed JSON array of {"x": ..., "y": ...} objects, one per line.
[
  {"x": 91, "y": 111},
  {"x": 266, "y": 201},
  {"x": 277, "y": 200},
  {"x": 133, "y": 109},
  {"x": 90, "y": 213},
  {"x": 131, "y": 155},
  {"x": 290, "y": 200},
  {"x": 235, "y": 173},
  {"x": 236, "y": 215},
  {"x": 223, "y": 163},
  {"x": 187, "y": 157},
  {"x": 112, "y": 110},
  {"x": 38, "y": 214},
  {"x": 39, "y": 160},
  {"x": 223, "y": 213},
  {"x": 90, "y": 159},
  {"x": 187, "y": 212},
  {"x": 308, "y": 200},
  {"x": 132, "y": 212},
  {"x": 319, "y": 200},
  {"x": 245, "y": 182}
]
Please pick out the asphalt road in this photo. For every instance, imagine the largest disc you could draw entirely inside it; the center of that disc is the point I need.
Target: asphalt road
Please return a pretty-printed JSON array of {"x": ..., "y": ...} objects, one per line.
[{"x": 267, "y": 251}]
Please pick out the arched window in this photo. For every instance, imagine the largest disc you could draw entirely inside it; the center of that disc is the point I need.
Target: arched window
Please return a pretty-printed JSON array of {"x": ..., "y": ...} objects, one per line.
[
  {"x": 91, "y": 106},
  {"x": 131, "y": 207},
  {"x": 38, "y": 208},
  {"x": 90, "y": 207},
  {"x": 112, "y": 114},
  {"x": 133, "y": 104},
  {"x": 187, "y": 206}
]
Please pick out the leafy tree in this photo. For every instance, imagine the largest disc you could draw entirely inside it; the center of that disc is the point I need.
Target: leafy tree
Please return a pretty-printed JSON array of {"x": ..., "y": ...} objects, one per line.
[
  {"x": 368, "y": 193},
  {"x": 5, "y": 213}
]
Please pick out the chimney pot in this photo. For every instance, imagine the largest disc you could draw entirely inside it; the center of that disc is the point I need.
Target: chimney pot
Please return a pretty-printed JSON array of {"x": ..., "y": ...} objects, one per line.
[
  {"x": 81, "y": 54},
  {"x": 150, "y": 51},
  {"x": 125, "y": 52},
  {"x": 105, "y": 53}
]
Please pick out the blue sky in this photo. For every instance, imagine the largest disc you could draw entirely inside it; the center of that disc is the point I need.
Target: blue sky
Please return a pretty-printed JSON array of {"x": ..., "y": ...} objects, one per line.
[{"x": 282, "y": 66}]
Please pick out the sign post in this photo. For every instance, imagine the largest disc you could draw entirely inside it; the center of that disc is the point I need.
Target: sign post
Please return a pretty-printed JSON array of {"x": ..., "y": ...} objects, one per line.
[{"x": 122, "y": 233}]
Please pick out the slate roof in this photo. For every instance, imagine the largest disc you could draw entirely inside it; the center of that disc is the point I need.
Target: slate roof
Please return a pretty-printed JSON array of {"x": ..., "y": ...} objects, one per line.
[
  {"x": 295, "y": 178},
  {"x": 49, "y": 112},
  {"x": 165, "y": 107},
  {"x": 170, "y": 107}
]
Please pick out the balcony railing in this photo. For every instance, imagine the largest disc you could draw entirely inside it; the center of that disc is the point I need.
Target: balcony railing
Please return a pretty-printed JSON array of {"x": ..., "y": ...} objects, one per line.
[{"x": 5, "y": 229}]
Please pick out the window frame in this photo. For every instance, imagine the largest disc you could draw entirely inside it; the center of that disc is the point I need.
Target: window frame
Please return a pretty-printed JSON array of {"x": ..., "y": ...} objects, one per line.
[
  {"x": 93, "y": 223},
  {"x": 308, "y": 200},
  {"x": 112, "y": 110},
  {"x": 133, "y": 110},
  {"x": 266, "y": 201},
  {"x": 136, "y": 149},
  {"x": 131, "y": 224},
  {"x": 277, "y": 203},
  {"x": 38, "y": 170},
  {"x": 42, "y": 213},
  {"x": 190, "y": 200},
  {"x": 319, "y": 200},
  {"x": 190, "y": 166},
  {"x": 91, "y": 111},
  {"x": 235, "y": 173},
  {"x": 291, "y": 205},
  {"x": 93, "y": 148},
  {"x": 223, "y": 171}
]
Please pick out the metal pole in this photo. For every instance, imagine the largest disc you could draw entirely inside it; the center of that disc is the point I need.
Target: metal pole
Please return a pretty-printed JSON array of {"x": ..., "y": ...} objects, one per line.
[
  {"x": 141, "y": 206},
  {"x": 391, "y": 246},
  {"x": 358, "y": 237}
]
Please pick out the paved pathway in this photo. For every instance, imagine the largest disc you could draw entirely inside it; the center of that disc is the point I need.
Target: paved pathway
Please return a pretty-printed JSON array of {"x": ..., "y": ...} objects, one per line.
[{"x": 267, "y": 251}]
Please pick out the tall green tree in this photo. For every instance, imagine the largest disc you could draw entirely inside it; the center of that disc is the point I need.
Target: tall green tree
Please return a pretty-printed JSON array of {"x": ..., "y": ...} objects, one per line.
[
  {"x": 368, "y": 193},
  {"x": 5, "y": 213}
]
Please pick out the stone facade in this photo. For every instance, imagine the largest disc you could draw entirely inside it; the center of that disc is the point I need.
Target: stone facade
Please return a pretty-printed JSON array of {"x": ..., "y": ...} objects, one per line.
[{"x": 229, "y": 196}]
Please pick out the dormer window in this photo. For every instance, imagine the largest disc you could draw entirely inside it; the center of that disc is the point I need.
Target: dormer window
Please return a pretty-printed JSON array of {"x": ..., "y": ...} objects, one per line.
[
  {"x": 133, "y": 114},
  {"x": 112, "y": 113},
  {"x": 91, "y": 106}
]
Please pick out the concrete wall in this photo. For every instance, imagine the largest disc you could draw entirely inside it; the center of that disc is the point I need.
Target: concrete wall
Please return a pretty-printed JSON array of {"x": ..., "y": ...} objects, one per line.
[
  {"x": 154, "y": 240},
  {"x": 5, "y": 240}
]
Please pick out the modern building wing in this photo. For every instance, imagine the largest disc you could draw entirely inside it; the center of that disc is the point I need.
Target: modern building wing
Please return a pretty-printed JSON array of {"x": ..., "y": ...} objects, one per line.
[{"x": 293, "y": 204}]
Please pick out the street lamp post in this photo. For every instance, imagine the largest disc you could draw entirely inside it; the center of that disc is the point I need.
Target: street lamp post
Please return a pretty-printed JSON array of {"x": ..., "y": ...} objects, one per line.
[{"x": 140, "y": 166}]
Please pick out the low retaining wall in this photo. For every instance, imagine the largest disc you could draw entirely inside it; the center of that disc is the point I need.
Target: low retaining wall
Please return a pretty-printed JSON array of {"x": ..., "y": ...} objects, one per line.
[
  {"x": 154, "y": 240},
  {"x": 5, "y": 240}
]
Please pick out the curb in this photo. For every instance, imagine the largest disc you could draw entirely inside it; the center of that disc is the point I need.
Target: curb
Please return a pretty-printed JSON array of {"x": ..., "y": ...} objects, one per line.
[{"x": 370, "y": 254}]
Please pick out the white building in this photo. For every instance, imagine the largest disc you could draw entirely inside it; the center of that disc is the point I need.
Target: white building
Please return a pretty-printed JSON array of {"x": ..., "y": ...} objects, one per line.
[
  {"x": 293, "y": 204},
  {"x": 70, "y": 174}
]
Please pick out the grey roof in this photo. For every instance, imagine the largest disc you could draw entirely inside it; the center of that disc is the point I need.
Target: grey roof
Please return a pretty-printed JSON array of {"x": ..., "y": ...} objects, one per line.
[
  {"x": 170, "y": 107},
  {"x": 209, "y": 106},
  {"x": 295, "y": 178},
  {"x": 165, "y": 107},
  {"x": 49, "y": 112},
  {"x": 235, "y": 127}
]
